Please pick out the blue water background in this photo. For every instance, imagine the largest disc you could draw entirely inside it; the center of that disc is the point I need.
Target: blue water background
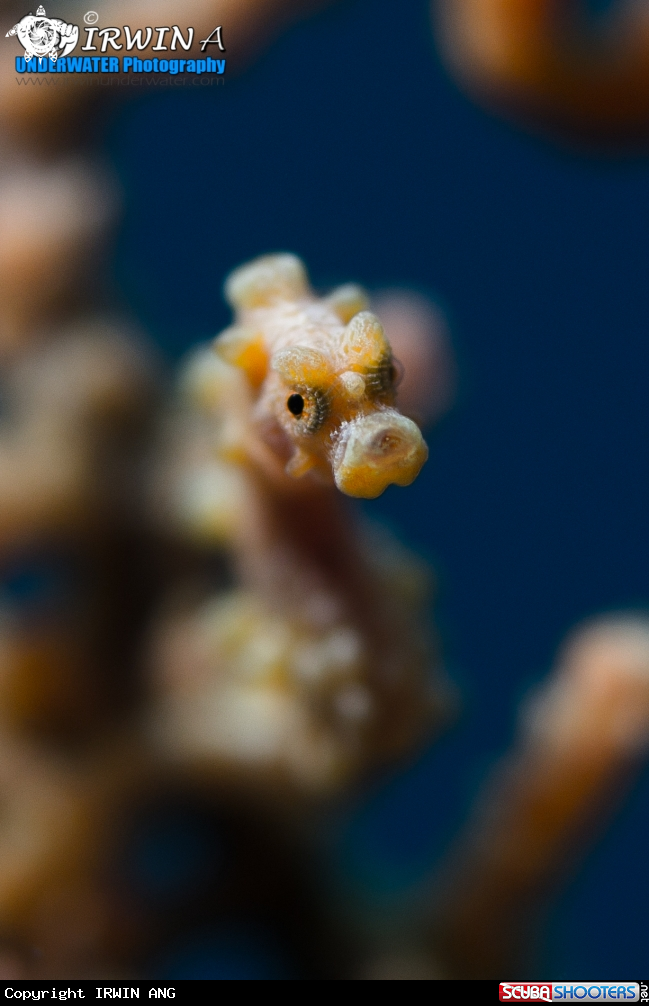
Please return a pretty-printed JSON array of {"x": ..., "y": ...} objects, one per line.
[{"x": 348, "y": 144}]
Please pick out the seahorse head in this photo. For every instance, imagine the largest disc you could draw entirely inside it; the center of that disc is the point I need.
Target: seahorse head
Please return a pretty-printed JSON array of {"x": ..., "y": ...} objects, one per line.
[{"x": 324, "y": 375}]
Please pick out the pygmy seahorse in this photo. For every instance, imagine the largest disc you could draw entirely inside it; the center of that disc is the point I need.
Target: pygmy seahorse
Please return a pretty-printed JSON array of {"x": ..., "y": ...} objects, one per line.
[
  {"x": 324, "y": 377},
  {"x": 316, "y": 666}
]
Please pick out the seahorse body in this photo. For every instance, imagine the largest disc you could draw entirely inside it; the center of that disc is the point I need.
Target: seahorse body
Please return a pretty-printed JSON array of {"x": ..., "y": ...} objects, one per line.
[
  {"x": 324, "y": 379},
  {"x": 317, "y": 665}
]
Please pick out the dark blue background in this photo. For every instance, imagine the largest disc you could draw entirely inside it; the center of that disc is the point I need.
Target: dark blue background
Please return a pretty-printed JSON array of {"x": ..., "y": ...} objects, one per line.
[{"x": 348, "y": 144}]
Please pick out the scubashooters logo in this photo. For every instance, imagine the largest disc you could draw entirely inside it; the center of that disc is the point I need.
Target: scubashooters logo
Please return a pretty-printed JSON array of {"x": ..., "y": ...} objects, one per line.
[{"x": 44, "y": 36}]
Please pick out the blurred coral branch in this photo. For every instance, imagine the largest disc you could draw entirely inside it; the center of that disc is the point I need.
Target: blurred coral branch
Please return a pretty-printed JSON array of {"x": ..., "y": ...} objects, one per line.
[
  {"x": 552, "y": 64},
  {"x": 582, "y": 738}
]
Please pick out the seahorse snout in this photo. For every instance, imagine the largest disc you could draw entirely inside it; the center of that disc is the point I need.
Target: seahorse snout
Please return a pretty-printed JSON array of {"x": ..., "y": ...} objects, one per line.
[{"x": 377, "y": 450}]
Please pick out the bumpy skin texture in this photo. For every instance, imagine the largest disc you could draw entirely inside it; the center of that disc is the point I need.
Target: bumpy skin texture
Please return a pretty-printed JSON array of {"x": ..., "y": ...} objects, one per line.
[
  {"x": 324, "y": 380},
  {"x": 550, "y": 64}
]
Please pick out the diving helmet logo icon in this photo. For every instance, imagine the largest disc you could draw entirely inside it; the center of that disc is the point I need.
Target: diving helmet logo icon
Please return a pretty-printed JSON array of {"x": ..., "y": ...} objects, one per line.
[{"x": 45, "y": 36}]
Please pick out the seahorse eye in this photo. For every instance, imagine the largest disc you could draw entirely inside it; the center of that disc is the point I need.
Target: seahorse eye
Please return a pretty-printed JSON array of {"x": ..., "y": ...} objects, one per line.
[
  {"x": 382, "y": 380},
  {"x": 295, "y": 404}
]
